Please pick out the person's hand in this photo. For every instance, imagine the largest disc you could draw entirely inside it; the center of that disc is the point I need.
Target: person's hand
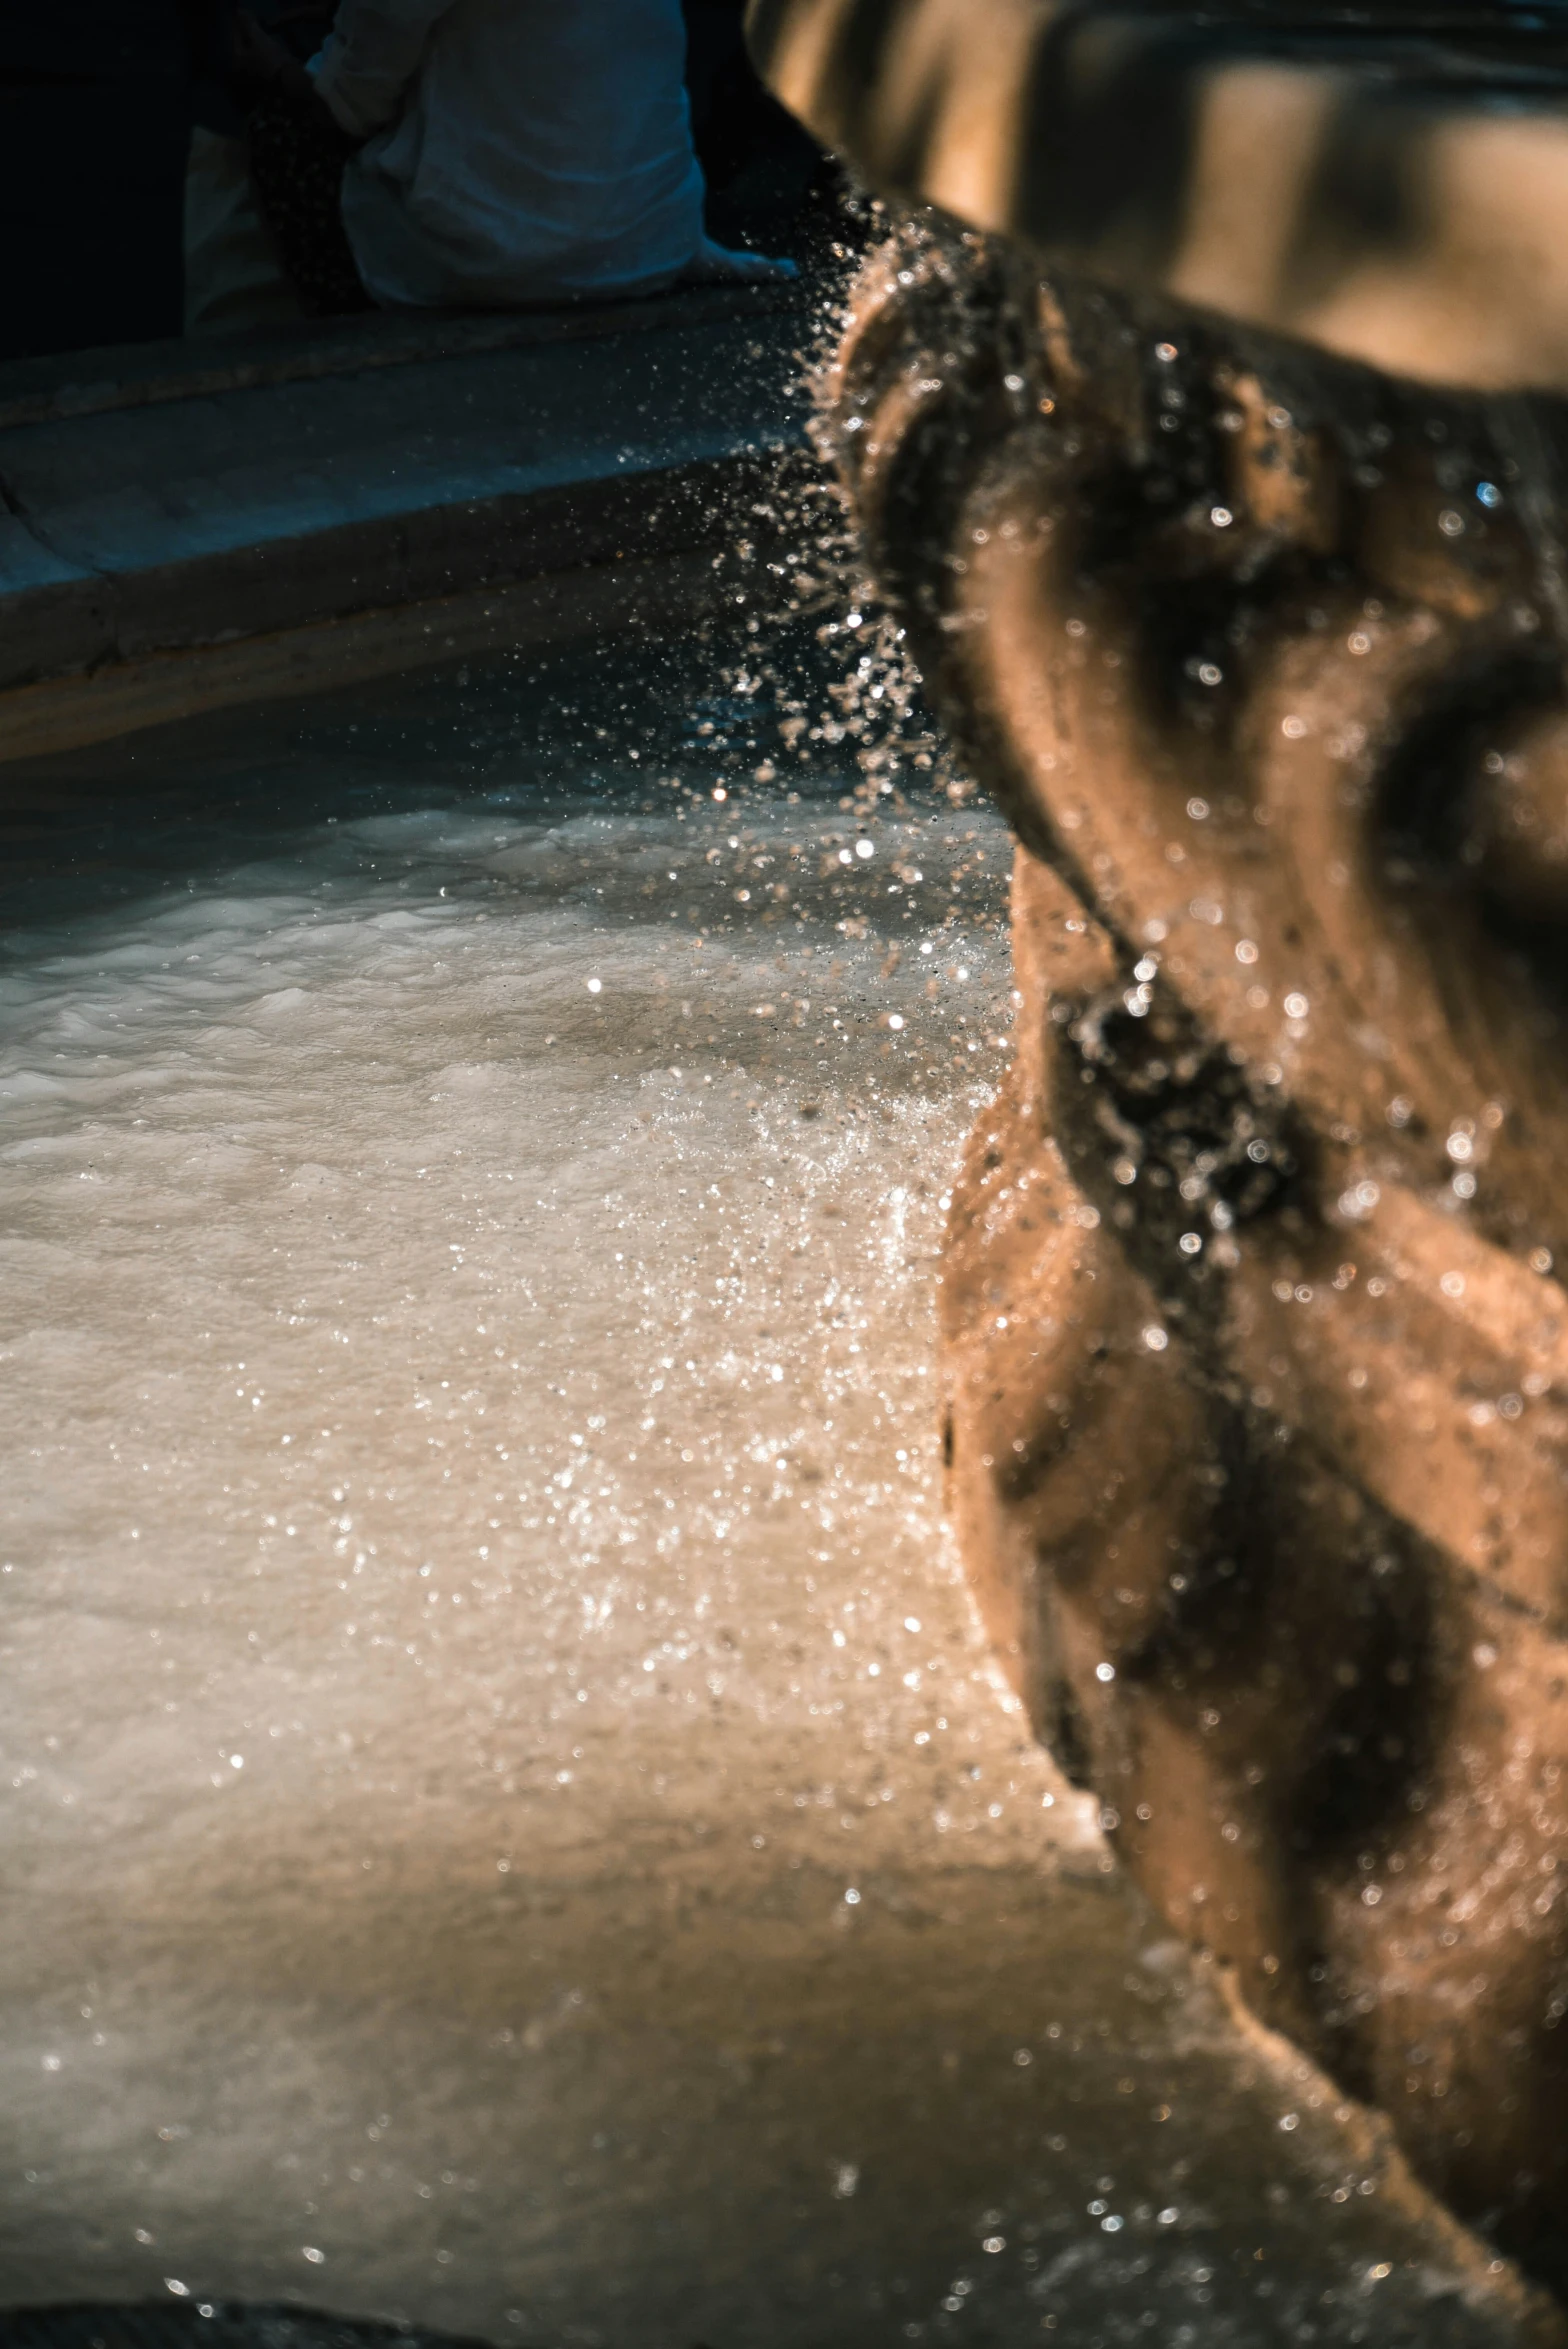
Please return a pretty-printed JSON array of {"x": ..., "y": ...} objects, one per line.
[
  {"x": 262, "y": 63},
  {"x": 261, "y": 59}
]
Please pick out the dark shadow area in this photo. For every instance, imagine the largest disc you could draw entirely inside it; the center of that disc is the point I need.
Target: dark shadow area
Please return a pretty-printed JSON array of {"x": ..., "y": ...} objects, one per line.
[{"x": 222, "y": 2324}]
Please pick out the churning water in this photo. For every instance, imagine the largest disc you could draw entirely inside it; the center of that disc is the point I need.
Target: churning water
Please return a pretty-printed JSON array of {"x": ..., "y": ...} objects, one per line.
[{"x": 509, "y": 1819}]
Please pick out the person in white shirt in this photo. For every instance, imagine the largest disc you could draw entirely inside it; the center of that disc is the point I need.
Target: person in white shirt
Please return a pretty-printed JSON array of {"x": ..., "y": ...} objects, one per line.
[{"x": 519, "y": 151}]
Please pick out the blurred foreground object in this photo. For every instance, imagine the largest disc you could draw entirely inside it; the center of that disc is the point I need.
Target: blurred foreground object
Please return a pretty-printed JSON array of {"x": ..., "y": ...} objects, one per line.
[{"x": 1221, "y": 494}]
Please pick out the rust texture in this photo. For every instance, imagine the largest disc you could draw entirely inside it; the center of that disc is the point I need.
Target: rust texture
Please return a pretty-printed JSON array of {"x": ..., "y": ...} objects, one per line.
[{"x": 1256, "y": 1348}]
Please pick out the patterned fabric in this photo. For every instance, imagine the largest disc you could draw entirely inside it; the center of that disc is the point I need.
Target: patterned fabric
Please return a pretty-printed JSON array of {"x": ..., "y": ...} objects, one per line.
[
  {"x": 296, "y": 162},
  {"x": 1392, "y": 186}
]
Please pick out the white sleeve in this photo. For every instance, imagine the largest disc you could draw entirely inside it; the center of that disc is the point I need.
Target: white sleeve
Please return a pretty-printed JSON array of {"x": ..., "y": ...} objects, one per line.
[{"x": 369, "y": 58}]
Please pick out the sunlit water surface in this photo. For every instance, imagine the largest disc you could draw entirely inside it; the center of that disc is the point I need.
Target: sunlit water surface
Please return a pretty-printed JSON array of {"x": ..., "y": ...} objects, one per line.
[{"x": 509, "y": 1818}]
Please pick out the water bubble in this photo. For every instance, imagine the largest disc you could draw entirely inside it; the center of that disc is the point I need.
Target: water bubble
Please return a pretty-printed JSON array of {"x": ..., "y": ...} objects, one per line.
[
  {"x": 1105, "y": 1672},
  {"x": 595, "y": 986},
  {"x": 852, "y": 1897},
  {"x": 1155, "y": 1338}
]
